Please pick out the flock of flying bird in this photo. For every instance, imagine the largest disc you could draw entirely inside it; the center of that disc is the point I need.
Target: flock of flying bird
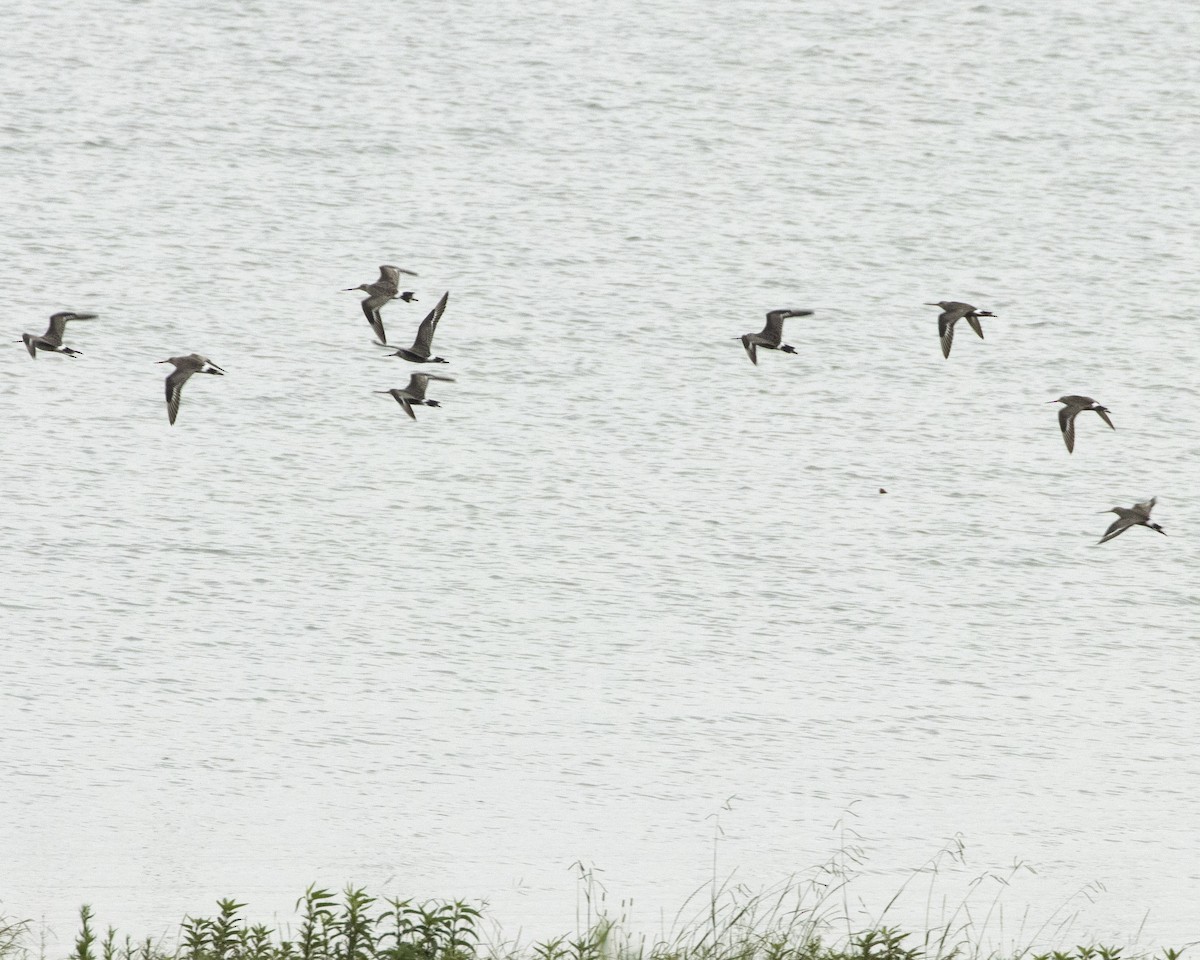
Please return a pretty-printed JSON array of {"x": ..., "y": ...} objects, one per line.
[
  {"x": 387, "y": 288},
  {"x": 771, "y": 338}
]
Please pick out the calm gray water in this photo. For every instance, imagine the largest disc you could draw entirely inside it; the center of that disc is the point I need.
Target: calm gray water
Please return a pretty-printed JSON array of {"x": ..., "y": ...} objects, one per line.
[{"x": 622, "y": 575}]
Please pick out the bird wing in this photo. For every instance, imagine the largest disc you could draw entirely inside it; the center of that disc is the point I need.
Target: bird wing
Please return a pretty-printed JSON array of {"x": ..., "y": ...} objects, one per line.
[
  {"x": 389, "y": 275},
  {"x": 30, "y": 344},
  {"x": 424, "y": 342},
  {"x": 946, "y": 332},
  {"x": 773, "y": 331},
  {"x": 175, "y": 381},
  {"x": 54, "y": 332},
  {"x": 1145, "y": 507},
  {"x": 403, "y": 401},
  {"x": 416, "y": 386},
  {"x": 58, "y": 325},
  {"x": 1066, "y": 420},
  {"x": 1118, "y": 527},
  {"x": 370, "y": 309},
  {"x": 973, "y": 320},
  {"x": 1104, "y": 417},
  {"x": 751, "y": 350}
]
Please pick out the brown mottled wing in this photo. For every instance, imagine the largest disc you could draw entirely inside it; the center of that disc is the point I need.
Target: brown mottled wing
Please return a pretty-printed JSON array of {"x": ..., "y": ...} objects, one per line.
[
  {"x": 1145, "y": 507},
  {"x": 424, "y": 342},
  {"x": 1066, "y": 421}
]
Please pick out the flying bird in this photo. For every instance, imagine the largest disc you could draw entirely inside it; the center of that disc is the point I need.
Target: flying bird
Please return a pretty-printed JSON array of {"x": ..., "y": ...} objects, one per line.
[
  {"x": 1137, "y": 515},
  {"x": 386, "y": 288},
  {"x": 771, "y": 337},
  {"x": 184, "y": 368},
  {"x": 414, "y": 393},
  {"x": 423, "y": 344},
  {"x": 1075, "y": 405},
  {"x": 51, "y": 340},
  {"x": 952, "y": 312}
]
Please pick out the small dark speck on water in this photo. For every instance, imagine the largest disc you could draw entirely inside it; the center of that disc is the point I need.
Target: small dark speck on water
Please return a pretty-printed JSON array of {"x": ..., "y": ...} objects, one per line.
[{"x": 881, "y": 490}]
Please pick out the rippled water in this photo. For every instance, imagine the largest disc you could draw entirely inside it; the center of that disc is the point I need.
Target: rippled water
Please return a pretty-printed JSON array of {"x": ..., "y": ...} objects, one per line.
[{"x": 621, "y": 575}]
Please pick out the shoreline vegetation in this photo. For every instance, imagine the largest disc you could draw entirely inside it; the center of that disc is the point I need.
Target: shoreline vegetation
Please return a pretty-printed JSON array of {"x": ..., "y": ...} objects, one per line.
[{"x": 803, "y": 919}]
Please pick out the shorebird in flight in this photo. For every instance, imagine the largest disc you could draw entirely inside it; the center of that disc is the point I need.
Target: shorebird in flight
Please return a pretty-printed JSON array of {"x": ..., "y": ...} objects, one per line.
[
  {"x": 184, "y": 368},
  {"x": 422, "y": 345},
  {"x": 51, "y": 340},
  {"x": 386, "y": 288},
  {"x": 1075, "y": 405},
  {"x": 414, "y": 393},
  {"x": 771, "y": 337},
  {"x": 1128, "y": 517},
  {"x": 952, "y": 312}
]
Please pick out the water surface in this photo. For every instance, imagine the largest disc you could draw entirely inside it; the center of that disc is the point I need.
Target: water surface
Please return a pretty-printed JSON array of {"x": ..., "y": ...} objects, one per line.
[{"x": 621, "y": 575}]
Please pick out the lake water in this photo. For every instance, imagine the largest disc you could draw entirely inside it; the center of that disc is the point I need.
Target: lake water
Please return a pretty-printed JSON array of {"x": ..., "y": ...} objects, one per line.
[{"x": 622, "y": 575}]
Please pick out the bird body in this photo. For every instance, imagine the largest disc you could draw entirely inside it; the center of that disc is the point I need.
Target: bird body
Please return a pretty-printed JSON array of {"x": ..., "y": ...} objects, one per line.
[
  {"x": 1075, "y": 405},
  {"x": 414, "y": 394},
  {"x": 184, "y": 368},
  {"x": 51, "y": 340},
  {"x": 386, "y": 288},
  {"x": 771, "y": 336},
  {"x": 952, "y": 312},
  {"x": 1137, "y": 515},
  {"x": 422, "y": 346}
]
